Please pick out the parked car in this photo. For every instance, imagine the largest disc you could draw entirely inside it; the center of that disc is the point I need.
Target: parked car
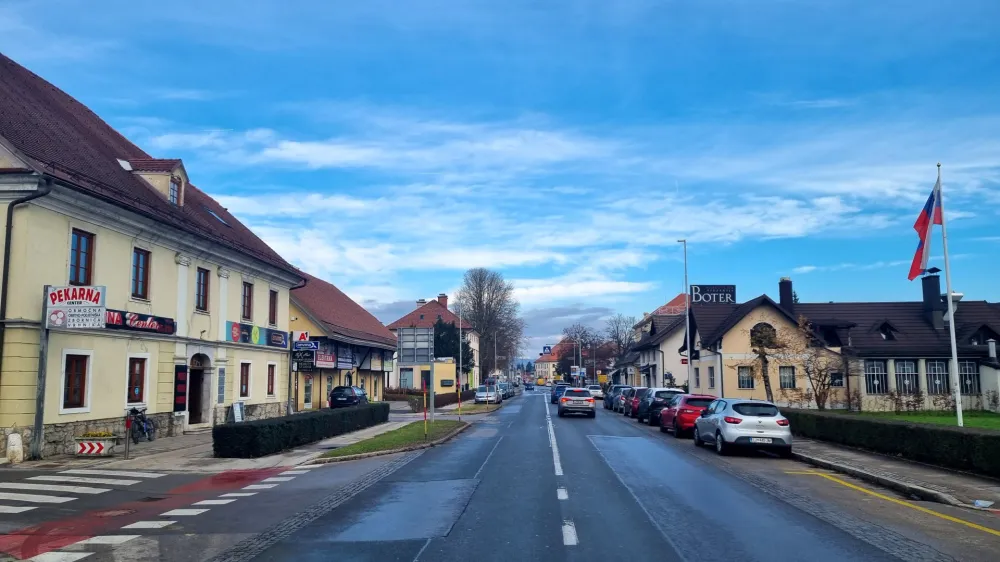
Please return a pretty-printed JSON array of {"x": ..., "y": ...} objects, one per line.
[
  {"x": 557, "y": 391},
  {"x": 632, "y": 404},
  {"x": 529, "y": 386},
  {"x": 505, "y": 390},
  {"x": 487, "y": 395},
  {"x": 577, "y": 401},
  {"x": 596, "y": 391},
  {"x": 729, "y": 423},
  {"x": 611, "y": 395},
  {"x": 624, "y": 398},
  {"x": 654, "y": 401},
  {"x": 343, "y": 396},
  {"x": 679, "y": 416}
]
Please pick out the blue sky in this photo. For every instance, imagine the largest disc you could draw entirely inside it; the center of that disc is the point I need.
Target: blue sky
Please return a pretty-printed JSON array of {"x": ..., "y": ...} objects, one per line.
[{"x": 387, "y": 146}]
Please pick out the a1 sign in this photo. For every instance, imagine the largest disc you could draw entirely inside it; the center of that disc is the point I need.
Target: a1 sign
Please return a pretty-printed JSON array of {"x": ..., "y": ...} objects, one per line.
[{"x": 300, "y": 336}]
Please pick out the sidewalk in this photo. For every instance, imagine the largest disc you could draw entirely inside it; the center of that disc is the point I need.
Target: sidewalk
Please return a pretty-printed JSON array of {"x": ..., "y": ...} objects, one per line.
[{"x": 924, "y": 481}]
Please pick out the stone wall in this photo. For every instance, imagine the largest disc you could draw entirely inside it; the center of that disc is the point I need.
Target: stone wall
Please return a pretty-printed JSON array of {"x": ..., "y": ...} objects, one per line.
[
  {"x": 58, "y": 437},
  {"x": 222, "y": 414}
]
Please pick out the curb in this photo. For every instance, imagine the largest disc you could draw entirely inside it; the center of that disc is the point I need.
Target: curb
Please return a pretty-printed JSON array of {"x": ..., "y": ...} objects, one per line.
[
  {"x": 893, "y": 484},
  {"x": 320, "y": 460}
]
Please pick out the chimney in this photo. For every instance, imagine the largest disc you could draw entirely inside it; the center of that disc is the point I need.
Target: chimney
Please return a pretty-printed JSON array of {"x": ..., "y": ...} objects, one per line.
[
  {"x": 443, "y": 299},
  {"x": 934, "y": 305},
  {"x": 993, "y": 347},
  {"x": 421, "y": 302},
  {"x": 785, "y": 298}
]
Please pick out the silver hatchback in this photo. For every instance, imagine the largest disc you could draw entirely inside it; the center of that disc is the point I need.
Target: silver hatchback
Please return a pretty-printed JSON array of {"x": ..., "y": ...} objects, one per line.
[{"x": 728, "y": 423}]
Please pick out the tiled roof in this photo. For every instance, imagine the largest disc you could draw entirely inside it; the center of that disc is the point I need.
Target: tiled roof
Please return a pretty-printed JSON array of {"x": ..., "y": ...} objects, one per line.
[
  {"x": 153, "y": 164},
  {"x": 663, "y": 326},
  {"x": 426, "y": 315},
  {"x": 59, "y": 136},
  {"x": 341, "y": 315},
  {"x": 675, "y": 306}
]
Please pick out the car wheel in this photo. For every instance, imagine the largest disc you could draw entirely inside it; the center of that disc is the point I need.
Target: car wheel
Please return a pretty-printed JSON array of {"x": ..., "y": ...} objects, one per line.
[
  {"x": 786, "y": 453},
  {"x": 651, "y": 421},
  {"x": 697, "y": 439},
  {"x": 559, "y": 413},
  {"x": 678, "y": 433},
  {"x": 720, "y": 445},
  {"x": 593, "y": 414},
  {"x": 663, "y": 429}
]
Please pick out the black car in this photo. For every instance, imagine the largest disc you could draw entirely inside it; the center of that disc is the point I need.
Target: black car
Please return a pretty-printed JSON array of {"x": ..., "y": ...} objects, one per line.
[
  {"x": 529, "y": 386},
  {"x": 557, "y": 391},
  {"x": 655, "y": 400},
  {"x": 343, "y": 396},
  {"x": 612, "y": 394}
]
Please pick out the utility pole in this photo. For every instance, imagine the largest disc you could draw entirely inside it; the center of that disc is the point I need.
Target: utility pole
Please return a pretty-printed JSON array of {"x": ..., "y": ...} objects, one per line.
[{"x": 687, "y": 314}]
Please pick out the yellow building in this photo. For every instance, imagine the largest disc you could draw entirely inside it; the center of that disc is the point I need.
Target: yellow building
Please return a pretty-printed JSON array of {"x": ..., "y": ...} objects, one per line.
[
  {"x": 415, "y": 347},
  {"x": 353, "y": 347},
  {"x": 187, "y": 310}
]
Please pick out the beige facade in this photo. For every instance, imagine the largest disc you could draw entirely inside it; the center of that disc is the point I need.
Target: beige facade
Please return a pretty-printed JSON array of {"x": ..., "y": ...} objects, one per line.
[{"x": 545, "y": 370}]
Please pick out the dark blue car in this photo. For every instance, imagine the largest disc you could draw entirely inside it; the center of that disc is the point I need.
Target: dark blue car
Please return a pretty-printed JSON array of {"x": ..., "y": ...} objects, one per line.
[{"x": 557, "y": 391}]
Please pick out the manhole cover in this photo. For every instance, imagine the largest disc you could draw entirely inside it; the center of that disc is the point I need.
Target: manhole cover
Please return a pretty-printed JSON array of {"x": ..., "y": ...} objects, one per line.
[{"x": 115, "y": 513}]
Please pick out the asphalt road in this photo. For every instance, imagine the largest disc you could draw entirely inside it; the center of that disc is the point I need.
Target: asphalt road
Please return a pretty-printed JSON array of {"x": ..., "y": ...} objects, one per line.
[{"x": 608, "y": 489}]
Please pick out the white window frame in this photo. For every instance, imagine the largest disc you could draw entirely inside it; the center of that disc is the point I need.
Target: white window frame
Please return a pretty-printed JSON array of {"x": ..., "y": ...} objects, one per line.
[
  {"x": 750, "y": 377},
  {"x": 711, "y": 377},
  {"x": 275, "y": 395},
  {"x": 239, "y": 376},
  {"x": 89, "y": 386},
  {"x": 697, "y": 377},
  {"x": 145, "y": 382},
  {"x": 781, "y": 382}
]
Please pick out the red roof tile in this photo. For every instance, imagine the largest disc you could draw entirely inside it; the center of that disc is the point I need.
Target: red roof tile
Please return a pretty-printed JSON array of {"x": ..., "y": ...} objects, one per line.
[
  {"x": 675, "y": 306},
  {"x": 59, "y": 136},
  {"x": 426, "y": 315},
  {"x": 328, "y": 304}
]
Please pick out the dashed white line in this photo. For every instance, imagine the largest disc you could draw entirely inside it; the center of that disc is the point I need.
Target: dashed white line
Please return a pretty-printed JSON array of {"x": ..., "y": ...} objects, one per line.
[
  {"x": 214, "y": 502},
  {"x": 52, "y": 488},
  {"x": 238, "y": 495},
  {"x": 183, "y": 512},
  {"x": 106, "y": 539},
  {"x": 81, "y": 480},
  {"x": 278, "y": 479},
  {"x": 552, "y": 443},
  {"x": 149, "y": 525},
  {"x": 562, "y": 494},
  {"x": 16, "y": 509},
  {"x": 569, "y": 533},
  {"x": 297, "y": 471},
  {"x": 128, "y": 473},
  {"x": 34, "y": 498},
  {"x": 259, "y": 487},
  {"x": 495, "y": 445}
]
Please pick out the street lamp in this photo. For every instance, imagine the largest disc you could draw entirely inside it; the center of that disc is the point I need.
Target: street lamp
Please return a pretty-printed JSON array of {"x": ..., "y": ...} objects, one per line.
[{"x": 687, "y": 312}]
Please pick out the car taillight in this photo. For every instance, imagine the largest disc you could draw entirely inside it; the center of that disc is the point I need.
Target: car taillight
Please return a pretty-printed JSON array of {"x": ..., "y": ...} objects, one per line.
[
  {"x": 732, "y": 420},
  {"x": 783, "y": 423},
  {"x": 564, "y": 399},
  {"x": 590, "y": 400}
]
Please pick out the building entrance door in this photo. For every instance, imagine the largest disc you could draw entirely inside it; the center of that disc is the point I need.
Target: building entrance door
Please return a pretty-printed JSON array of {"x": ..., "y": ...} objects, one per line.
[{"x": 196, "y": 380}]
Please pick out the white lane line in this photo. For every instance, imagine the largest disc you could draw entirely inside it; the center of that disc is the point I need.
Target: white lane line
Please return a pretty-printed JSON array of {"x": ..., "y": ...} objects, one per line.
[
  {"x": 295, "y": 472},
  {"x": 421, "y": 551},
  {"x": 130, "y": 474},
  {"x": 495, "y": 445},
  {"x": 59, "y": 556},
  {"x": 106, "y": 539},
  {"x": 552, "y": 444},
  {"x": 562, "y": 494},
  {"x": 81, "y": 480},
  {"x": 259, "y": 487},
  {"x": 277, "y": 479},
  {"x": 52, "y": 488},
  {"x": 214, "y": 502},
  {"x": 306, "y": 467},
  {"x": 149, "y": 525},
  {"x": 34, "y": 498},
  {"x": 183, "y": 512},
  {"x": 569, "y": 533},
  {"x": 238, "y": 495},
  {"x": 16, "y": 509}
]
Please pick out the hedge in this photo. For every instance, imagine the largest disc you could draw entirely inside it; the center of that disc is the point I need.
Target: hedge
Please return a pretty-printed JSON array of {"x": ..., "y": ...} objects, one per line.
[
  {"x": 443, "y": 399},
  {"x": 258, "y": 438},
  {"x": 970, "y": 449}
]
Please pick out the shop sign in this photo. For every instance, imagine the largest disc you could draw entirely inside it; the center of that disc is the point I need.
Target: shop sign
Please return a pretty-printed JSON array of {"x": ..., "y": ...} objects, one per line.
[
  {"x": 180, "y": 387},
  {"x": 326, "y": 355},
  {"x": 713, "y": 294},
  {"x": 135, "y": 321},
  {"x": 359, "y": 354},
  {"x": 304, "y": 360},
  {"x": 75, "y": 308},
  {"x": 387, "y": 361},
  {"x": 302, "y": 345},
  {"x": 300, "y": 335},
  {"x": 345, "y": 359},
  {"x": 248, "y": 333},
  {"x": 376, "y": 360}
]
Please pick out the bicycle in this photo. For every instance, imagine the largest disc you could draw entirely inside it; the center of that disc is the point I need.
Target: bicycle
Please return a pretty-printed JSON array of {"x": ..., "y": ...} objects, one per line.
[{"x": 141, "y": 425}]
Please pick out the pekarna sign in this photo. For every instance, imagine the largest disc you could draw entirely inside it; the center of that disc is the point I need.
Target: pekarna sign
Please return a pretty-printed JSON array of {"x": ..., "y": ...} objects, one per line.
[
  {"x": 75, "y": 307},
  {"x": 713, "y": 294}
]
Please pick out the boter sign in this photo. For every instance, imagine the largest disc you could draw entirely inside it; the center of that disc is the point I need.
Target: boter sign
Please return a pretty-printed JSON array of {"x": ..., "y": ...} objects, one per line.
[
  {"x": 75, "y": 308},
  {"x": 713, "y": 294}
]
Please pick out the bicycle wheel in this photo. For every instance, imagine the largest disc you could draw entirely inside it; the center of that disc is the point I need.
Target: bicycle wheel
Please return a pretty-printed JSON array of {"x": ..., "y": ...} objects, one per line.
[
  {"x": 150, "y": 430},
  {"x": 135, "y": 433}
]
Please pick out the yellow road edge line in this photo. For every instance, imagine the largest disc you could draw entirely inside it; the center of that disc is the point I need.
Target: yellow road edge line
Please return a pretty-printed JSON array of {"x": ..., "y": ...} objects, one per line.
[
  {"x": 908, "y": 504},
  {"x": 800, "y": 472}
]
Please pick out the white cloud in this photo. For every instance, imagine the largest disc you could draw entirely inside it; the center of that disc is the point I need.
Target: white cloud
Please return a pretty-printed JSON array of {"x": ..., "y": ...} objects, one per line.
[
  {"x": 850, "y": 266},
  {"x": 573, "y": 286}
]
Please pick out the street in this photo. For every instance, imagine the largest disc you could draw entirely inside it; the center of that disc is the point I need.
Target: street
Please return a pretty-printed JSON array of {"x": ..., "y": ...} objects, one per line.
[{"x": 508, "y": 488}]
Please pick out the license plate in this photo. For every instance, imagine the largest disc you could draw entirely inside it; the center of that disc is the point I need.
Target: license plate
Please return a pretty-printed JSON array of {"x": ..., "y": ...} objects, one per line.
[
  {"x": 764, "y": 440},
  {"x": 579, "y": 402},
  {"x": 342, "y": 399}
]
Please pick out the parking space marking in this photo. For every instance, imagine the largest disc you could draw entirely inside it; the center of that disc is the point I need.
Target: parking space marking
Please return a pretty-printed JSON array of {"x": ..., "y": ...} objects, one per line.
[{"x": 905, "y": 503}]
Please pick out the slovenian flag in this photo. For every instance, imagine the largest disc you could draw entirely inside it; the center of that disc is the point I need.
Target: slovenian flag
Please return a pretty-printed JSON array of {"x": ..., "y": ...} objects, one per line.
[{"x": 929, "y": 216}]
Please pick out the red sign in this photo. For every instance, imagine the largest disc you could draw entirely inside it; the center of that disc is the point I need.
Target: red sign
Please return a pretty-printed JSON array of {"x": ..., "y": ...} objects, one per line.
[
  {"x": 123, "y": 320},
  {"x": 91, "y": 296},
  {"x": 684, "y": 361}
]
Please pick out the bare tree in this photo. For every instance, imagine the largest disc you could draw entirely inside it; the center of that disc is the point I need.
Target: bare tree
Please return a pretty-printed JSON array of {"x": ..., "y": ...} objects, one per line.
[
  {"x": 768, "y": 346},
  {"x": 486, "y": 301},
  {"x": 620, "y": 333}
]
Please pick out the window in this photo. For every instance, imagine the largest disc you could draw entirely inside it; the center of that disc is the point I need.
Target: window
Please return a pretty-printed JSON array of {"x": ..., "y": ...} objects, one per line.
[
  {"x": 81, "y": 258},
  {"x": 786, "y": 377},
  {"x": 837, "y": 380},
  {"x": 201, "y": 290},
  {"x": 968, "y": 376},
  {"x": 876, "y": 377},
  {"x": 907, "y": 381},
  {"x": 759, "y": 410},
  {"x": 270, "y": 378},
  {"x": 937, "y": 377},
  {"x": 140, "y": 273},
  {"x": 745, "y": 377},
  {"x": 272, "y": 308},
  {"x": 175, "y": 190},
  {"x": 75, "y": 382},
  {"x": 697, "y": 378},
  {"x": 136, "y": 380},
  {"x": 244, "y": 380},
  {"x": 711, "y": 377},
  {"x": 247, "y": 313},
  {"x": 763, "y": 336}
]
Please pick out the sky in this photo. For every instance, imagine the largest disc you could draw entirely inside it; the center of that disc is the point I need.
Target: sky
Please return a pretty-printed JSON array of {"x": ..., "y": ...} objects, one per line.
[{"x": 389, "y": 146}]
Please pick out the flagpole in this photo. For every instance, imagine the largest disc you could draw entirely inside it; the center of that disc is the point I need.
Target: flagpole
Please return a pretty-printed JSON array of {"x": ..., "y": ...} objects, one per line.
[{"x": 955, "y": 382}]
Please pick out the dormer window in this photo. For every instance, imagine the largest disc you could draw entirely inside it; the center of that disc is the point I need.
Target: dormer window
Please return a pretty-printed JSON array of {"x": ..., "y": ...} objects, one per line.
[
  {"x": 175, "y": 189},
  {"x": 887, "y": 332}
]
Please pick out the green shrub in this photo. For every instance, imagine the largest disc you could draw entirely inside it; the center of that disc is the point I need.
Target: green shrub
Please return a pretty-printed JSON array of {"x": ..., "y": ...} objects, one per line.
[
  {"x": 440, "y": 400},
  {"x": 974, "y": 450},
  {"x": 272, "y": 435}
]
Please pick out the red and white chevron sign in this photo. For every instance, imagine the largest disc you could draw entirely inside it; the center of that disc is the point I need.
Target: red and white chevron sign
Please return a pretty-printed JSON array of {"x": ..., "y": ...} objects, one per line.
[{"x": 90, "y": 448}]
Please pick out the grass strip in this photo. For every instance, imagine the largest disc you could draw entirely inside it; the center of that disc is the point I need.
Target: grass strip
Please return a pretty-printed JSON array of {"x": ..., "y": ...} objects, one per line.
[
  {"x": 410, "y": 434},
  {"x": 469, "y": 409}
]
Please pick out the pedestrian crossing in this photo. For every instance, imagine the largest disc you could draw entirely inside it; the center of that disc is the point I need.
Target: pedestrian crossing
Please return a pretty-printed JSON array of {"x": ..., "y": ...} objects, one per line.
[{"x": 63, "y": 487}]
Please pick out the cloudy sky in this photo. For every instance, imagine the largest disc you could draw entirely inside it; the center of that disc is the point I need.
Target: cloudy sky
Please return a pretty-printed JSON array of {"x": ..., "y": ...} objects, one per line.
[{"x": 388, "y": 146}]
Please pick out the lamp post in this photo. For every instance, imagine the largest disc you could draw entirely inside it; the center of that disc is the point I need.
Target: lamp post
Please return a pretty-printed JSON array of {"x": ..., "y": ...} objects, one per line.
[{"x": 687, "y": 312}]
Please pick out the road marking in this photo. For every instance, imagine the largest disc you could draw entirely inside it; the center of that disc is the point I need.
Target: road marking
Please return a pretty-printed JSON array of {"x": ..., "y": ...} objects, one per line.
[
  {"x": 278, "y": 479},
  {"x": 106, "y": 539},
  {"x": 421, "y": 551},
  {"x": 238, "y": 495},
  {"x": 552, "y": 444},
  {"x": 800, "y": 472},
  {"x": 59, "y": 556},
  {"x": 296, "y": 471},
  {"x": 907, "y": 504},
  {"x": 52, "y": 488},
  {"x": 478, "y": 472},
  {"x": 305, "y": 467},
  {"x": 34, "y": 498},
  {"x": 569, "y": 533},
  {"x": 128, "y": 473},
  {"x": 214, "y": 502},
  {"x": 16, "y": 509},
  {"x": 183, "y": 512},
  {"x": 80, "y": 480},
  {"x": 149, "y": 525},
  {"x": 259, "y": 487},
  {"x": 562, "y": 494}
]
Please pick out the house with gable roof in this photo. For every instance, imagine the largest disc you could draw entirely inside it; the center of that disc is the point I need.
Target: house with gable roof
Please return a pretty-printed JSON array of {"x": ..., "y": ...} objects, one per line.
[{"x": 415, "y": 346}]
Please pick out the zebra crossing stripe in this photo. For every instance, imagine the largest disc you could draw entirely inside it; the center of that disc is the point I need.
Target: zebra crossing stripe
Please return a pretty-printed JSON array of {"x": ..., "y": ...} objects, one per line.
[
  {"x": 16, "y": 509},
  {"x": 34, "y": 498},
  {"x": 127, "y": 473},
  {"x": 81, "y": 480},
  {"x": 52, "y": 488}
]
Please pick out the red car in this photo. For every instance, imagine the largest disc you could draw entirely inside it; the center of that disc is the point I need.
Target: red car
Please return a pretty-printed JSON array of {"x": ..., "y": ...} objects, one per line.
[
  {"x": 680, "y": 415},
  {"x": 632, "y": 405}
]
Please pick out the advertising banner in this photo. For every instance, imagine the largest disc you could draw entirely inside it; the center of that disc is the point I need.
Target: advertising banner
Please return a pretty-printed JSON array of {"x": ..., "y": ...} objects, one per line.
[
  {"x": 137, "y": 322},
  {"x": 326, "y": 355},
  {"x": 248, "y": 333},
  {"x": 75, "y": 308},
  {"x": 345, "y": 359}
]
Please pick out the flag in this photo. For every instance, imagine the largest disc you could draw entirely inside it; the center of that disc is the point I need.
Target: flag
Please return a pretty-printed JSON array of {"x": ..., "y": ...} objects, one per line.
[{"x": 929, "y": 216}]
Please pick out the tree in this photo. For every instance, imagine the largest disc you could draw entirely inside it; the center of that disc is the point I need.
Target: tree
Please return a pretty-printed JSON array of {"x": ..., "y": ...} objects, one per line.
[
  {"x": 446, "y": 344},
  {"x": 820, "y": 365},
  {"x": 795, "y": 297},
  {"x": 620, "y": 333},
  {"x": 486, "y": 300},
  {"x": 567, "y": 358},
  {"x": 768, "y": 346}
]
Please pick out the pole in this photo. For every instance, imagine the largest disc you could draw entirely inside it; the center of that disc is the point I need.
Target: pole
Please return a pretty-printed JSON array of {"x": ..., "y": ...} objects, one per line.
[
  {"x": 425, "y": 406},
  {"x": 687, "y": 315},
  {"x": 431, "y": 385},
  {"x": 37, "y": 440},
  {"x": 461, "y": 344},
  {"x": 955, "y": 383}
]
